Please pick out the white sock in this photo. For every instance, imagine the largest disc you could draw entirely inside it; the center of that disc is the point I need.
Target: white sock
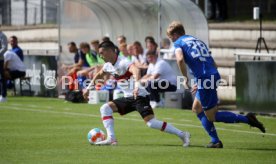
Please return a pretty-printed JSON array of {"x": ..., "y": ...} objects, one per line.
[
  {"x": 164, "y": 126},
  {"x": 108, "y": 121}
]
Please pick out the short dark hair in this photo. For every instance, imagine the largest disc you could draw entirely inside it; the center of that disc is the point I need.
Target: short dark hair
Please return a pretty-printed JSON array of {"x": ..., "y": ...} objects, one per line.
[
  {"x": 14, "y": 37},
  {"x": 137, "y": 43},
  {"x": 72, "y": 44},
  {"x": 107, "y": 45},
  {"x": 105, "y": 38},
  {"x": 153, "y": 42},
  {"x": 149, "y": 38}
]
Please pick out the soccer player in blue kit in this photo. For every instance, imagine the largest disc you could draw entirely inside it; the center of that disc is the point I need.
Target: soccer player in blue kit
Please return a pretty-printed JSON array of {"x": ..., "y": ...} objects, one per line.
[{"x": 196, "y": 55}]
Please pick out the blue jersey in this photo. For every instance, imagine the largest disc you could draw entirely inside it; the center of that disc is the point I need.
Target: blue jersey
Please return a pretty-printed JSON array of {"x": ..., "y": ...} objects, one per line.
[
  {"x": 197, "y": 56},
  {"x": 79, "y": 55},
  {"x": 19, "y": 52}
]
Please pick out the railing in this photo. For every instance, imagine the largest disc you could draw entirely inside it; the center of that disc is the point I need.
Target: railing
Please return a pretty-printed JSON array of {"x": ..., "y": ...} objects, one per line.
[
  {"x": 24, "y": 12},
  {"x": 258, "y": 56},
  {"x": 167, "y": 54},
  {"x": 37, "y": 52}
]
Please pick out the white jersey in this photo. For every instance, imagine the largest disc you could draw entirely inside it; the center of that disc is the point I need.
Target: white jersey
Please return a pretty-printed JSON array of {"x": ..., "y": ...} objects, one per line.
[
  {"x": 15, "y": 63},
  {"x": 162, "y": 68},
  {"x": 140, "y": 58},
  {"x": 124, "y": 78}
]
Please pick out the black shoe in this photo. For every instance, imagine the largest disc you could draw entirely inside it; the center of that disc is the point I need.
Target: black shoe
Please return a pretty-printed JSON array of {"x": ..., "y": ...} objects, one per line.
[
  {"x": 215, "y": 145},
  {"x": 253, "y": 121}
]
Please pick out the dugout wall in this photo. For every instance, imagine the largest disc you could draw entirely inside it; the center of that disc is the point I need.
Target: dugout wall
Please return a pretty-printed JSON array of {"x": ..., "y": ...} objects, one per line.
[{"x": 256, "y": 87}]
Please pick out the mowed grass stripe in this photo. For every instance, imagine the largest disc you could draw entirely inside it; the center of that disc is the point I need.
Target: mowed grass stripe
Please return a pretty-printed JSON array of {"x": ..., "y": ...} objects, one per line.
[{"x": 128, "y": 119}]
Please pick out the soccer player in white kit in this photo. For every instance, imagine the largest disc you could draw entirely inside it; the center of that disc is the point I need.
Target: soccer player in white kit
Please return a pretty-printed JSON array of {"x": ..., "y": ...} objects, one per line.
[{"x": 135, "y": 99}]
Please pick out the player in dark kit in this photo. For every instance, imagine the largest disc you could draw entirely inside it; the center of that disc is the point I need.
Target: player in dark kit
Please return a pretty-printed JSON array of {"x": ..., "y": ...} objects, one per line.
[
  {"x": 135, "y": 98},
  {"x": 197, "y": 56}
]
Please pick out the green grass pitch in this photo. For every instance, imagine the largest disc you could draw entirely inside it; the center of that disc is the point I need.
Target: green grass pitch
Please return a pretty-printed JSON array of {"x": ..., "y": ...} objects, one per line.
[{"x": 42, "y": 130}]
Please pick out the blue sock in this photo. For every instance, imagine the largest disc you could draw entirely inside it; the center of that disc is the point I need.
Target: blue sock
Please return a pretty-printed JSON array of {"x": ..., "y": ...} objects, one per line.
[
  {"x": 81, "y": 80},
  {"x": 229, "y": 117},
  {"x": 209, "y": 127}
]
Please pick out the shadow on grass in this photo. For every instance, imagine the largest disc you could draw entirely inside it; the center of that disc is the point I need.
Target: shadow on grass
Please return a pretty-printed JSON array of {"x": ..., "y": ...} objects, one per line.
[
  {"x": 165, "y": 145},
  {"x": 258, "y": 149}
]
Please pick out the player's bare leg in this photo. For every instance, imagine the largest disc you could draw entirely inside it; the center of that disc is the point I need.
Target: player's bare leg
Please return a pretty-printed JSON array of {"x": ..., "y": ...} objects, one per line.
[
  {"x": 107, "y": 111},
  {"x": 168, "y": 128}
]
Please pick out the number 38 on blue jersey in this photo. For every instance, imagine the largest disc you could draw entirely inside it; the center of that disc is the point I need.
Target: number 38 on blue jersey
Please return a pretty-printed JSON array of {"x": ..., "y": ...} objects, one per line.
[{"x": 197, "y": 56}]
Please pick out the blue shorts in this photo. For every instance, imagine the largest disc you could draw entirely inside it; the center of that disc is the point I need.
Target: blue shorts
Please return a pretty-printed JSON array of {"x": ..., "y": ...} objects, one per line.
[{"x": 207, "y": 95}]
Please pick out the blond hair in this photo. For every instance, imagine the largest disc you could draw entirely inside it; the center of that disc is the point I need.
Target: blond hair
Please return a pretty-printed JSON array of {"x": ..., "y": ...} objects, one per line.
[
  {"x": 176, "y": 27},
  {"x": 95, "y": 42}
]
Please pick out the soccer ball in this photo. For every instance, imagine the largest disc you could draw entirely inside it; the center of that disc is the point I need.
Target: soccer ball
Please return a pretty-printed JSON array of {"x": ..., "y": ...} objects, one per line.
[{"x": 95, "y": 135}]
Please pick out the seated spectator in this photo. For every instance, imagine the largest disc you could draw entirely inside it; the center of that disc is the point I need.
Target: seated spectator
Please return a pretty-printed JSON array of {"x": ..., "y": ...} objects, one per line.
[
  {"x": 130, "y": 50},
  {"x": 79, "y": 64},
  {"x": 13, "y": 66},
  {"x": 15, "y": 48},
  {"x": 121, "y": 39},
  {"x": 138, "y": 58},
  {"x": 106, "y": 38},
  {"x": 151, "y": 45},
  {"x": 149, "y": 38},
  {"x": 79, "y": 59},
  {"x": 159, "y": 75},
  {"x": 94, "y": 61},
  {"x": 165, "y": 43},
  {"x": 124, "y": 52},
  {"x": 95, "y": 45}
]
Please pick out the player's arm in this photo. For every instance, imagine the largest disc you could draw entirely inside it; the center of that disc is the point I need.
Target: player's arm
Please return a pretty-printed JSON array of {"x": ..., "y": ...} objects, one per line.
[
  {"x": 135, "y": 72},
  {"x": 6, "y": 65},
  {"x": 181, "y": 64},
  {"x": 137, "y": 76},
  {"x": 6, "y": 73},
  {"x": 98, "y": 76},
  {"x": 7, "y": 58},
  {"x": 91, "y": 68},
  {"x": 150, "y": 77},
  {"x": 154, "y": 76},
  {"x": 140, "y": 65},
  {"x": 181, "y": 61},
  {"x": 215, "y": 64},
  {"x": 78, "y": 64}
]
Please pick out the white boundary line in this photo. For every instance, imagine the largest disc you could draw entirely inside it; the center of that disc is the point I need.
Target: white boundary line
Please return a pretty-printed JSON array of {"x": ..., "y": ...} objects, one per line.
[{"x": 131, "y": 119}]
